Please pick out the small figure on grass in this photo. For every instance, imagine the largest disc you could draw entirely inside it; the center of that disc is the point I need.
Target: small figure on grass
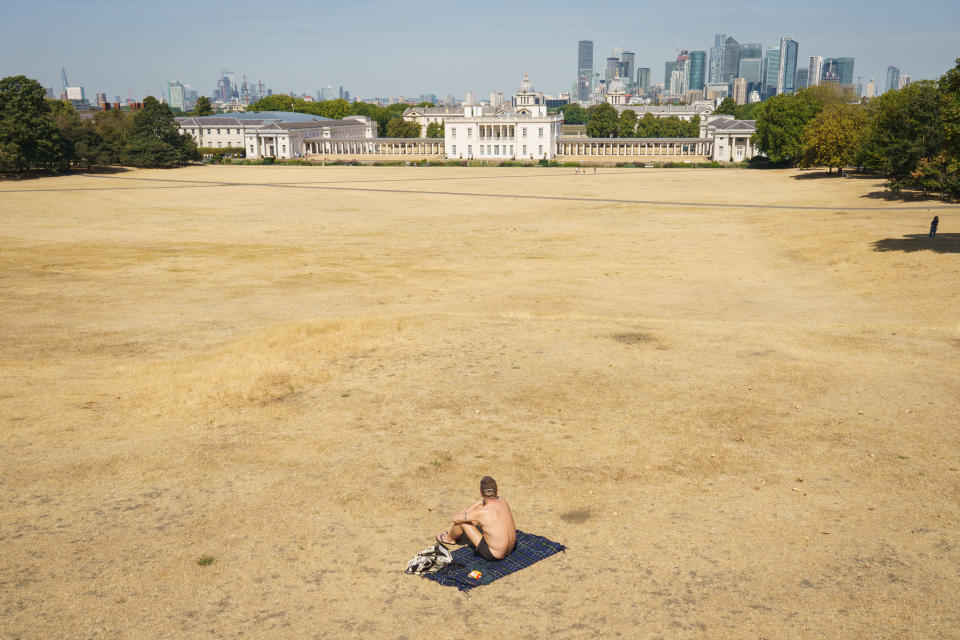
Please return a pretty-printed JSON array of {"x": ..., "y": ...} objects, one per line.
[
  {"x": 488, "y": 525},
  {"x": 933, "y": 226}
]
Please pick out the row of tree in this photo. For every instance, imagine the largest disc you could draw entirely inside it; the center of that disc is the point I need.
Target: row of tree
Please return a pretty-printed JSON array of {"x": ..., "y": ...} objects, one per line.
[
  {"x": 602, "y": 121},
  {"x": 912, "y": 135},
  {"x": 37, "y": 133},
  {"x": 389, "y": 119}
]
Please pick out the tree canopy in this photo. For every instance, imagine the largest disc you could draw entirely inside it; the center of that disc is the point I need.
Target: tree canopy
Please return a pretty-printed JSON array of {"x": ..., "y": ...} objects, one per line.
[
  {"x": 603, "y": 121},
  {"x": 435, "y": 130},
  {"x": 908, "y": 126},
  {"x": 834, "y": 137},
  {"x": 203, "y": 108},
  {"x": 627, "y": 126},
  {"x": 573, "y": 113},
  {"x": 156, "y": 140},
  {"x": 781, "y": 121},
  {"x": 727, "y": 106},
  {"x": 335, "y": 109},
  {"x": 28, "y": 136},
  {"x": 397, "y": 127}
]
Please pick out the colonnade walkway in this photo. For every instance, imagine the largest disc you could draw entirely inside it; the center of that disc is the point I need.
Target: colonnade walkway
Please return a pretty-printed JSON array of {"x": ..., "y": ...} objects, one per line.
[
  {"x": 674, "y": 147},
  {"x": 374, "y": 147},
  {"x": 566, "y": 148}
]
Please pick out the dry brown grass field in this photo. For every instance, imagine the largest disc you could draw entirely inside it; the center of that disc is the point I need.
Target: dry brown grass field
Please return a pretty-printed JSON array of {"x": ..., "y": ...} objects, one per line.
[{"x": 732, "y": 394}]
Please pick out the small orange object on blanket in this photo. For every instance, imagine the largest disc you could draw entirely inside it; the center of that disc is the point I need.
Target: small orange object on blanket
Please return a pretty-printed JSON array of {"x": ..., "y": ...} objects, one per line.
[{"x": 475, "y": 574}]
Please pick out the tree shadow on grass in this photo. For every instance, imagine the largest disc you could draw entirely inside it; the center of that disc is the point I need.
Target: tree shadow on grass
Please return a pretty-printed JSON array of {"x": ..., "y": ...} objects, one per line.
[
  {"x": 943, "y": 243},
  {"x": 902, "y": 196},
  {"x": 36, "y": 174},
  {"x": 822, "y": 174}
]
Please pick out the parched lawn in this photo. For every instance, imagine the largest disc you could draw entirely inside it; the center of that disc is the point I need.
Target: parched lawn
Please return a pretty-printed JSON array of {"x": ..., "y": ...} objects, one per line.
[{"x": 236, "y": 400}]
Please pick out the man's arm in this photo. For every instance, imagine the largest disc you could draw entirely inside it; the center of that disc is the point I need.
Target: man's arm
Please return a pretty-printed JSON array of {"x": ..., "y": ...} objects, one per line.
[{"x": 467, "y": 516}]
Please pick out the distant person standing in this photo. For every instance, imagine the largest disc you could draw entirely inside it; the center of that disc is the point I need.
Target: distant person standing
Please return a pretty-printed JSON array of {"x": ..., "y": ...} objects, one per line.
[{"x": 933, "y": 226}]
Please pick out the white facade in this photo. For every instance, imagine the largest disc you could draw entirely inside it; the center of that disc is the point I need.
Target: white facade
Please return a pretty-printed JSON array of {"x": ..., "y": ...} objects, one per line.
[
  {"x": 271, "y": 135},
  {"x": 297, "y": 139},
  {"x": 732, "y": 139},
  {"x": 216, "y": 131},
  {"x": 423, "y": 116},
  {"x": 507, "y": 136}
]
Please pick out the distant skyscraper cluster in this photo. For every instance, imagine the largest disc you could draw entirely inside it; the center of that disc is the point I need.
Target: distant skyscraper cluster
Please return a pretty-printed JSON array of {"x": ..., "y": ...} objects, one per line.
[{"x": 748, "y": 72}]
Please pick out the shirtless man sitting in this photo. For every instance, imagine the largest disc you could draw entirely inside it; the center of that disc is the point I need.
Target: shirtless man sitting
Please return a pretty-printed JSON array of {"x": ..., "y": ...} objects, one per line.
[{"x": 488, "y": 524}]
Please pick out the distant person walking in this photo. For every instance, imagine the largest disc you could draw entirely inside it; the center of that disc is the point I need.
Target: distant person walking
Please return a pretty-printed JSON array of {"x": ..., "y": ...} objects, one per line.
[{"x": 933, "y": 226}]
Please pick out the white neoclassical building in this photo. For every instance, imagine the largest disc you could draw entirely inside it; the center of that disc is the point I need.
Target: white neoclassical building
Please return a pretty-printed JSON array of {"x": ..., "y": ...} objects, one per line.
[
  {"x": 732, "y": 139},
  {"x": 423, "y": 116},
  {"x": 276, "y": 134},
  {"x": 524, "y": 132},
  {"x": 298, "y": 139}
]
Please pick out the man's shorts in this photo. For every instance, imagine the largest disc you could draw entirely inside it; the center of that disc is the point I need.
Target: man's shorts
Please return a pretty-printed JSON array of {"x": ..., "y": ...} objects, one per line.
[{"x": 484, "y": 551}]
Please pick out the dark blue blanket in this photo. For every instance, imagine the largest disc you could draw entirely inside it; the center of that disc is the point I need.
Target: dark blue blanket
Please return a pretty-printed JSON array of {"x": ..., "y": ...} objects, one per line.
[{"x": 530, "y": 549}]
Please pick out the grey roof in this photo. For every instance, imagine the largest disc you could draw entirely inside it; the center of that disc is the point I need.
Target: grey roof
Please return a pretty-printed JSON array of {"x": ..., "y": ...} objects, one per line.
[
  {"x": 322, "y": 125},
  {"x": 446, "y": 110},
  {"x": 728, "y": 124},
  {"x": 211, "y": 121},
  {"x": 284, "y": 116},
  {"x": 250, "y": 117},
  {"x": 325, "y": 124}
]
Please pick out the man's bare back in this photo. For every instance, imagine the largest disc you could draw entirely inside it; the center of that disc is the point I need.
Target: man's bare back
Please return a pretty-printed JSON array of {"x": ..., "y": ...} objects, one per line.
[{"x": 488, "y": 524}]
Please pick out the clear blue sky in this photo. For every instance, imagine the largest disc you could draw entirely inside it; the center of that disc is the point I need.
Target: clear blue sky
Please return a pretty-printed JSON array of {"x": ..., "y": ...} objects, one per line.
[{"x": 384, "y": 48}]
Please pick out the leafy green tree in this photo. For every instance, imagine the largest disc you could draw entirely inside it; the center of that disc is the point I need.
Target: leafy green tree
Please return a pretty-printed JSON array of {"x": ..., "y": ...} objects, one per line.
[
  {"x": 335, "y": 109},
  {"x": 67, "y": 120},
  {"x": 28, "y": 137},
  {"x": 949, "y": 86},
  {"x": 939, "y": 175},
  {"x": 830, "y": 93},
  {"x": 907, "y": 128},
  {"x": 276, "y": 102},
  {"x": 156, "y": 140},
  {"x": 573, "y": 113},
  {"x": 399, "y": 128},
  {"x": 627, "y": 127},
  {"x": 834, "y": 137},
  {"x": 747, "y": 111},
  {"x": 435, "y": 130},
  {"x": 115, "y": 129},
  {"x": 649, "y": 126},
  {"x": 780, "y": 125},
  {"x": 203, "y": 108},
  {"x": 88, "y": 148},
  {"x": 603, "y": 121},
  {"x": 728, "y": 106},
  {"x": 425, "y": 104},
  {"x": 83, "y": 142}
]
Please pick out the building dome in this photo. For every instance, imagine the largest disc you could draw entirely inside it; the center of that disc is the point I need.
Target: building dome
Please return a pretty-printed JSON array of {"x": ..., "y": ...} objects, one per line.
[
  {"x": 526, "y": 86},
  {"x": 616, "y": 85},
  {"x": 616, "y": 95}
]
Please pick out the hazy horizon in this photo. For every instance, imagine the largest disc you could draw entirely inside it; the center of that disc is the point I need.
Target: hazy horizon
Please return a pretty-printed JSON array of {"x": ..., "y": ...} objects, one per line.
[{"x": 375, "y": 48}]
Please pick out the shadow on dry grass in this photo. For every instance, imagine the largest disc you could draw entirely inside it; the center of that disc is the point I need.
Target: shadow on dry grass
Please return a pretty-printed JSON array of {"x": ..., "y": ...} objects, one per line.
[
  {"x": 822, "y": 174},
  {"x": 37, "y": 174},
  {"x": 943, "y": 243},
  {"x": 902, "y": 196}
]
